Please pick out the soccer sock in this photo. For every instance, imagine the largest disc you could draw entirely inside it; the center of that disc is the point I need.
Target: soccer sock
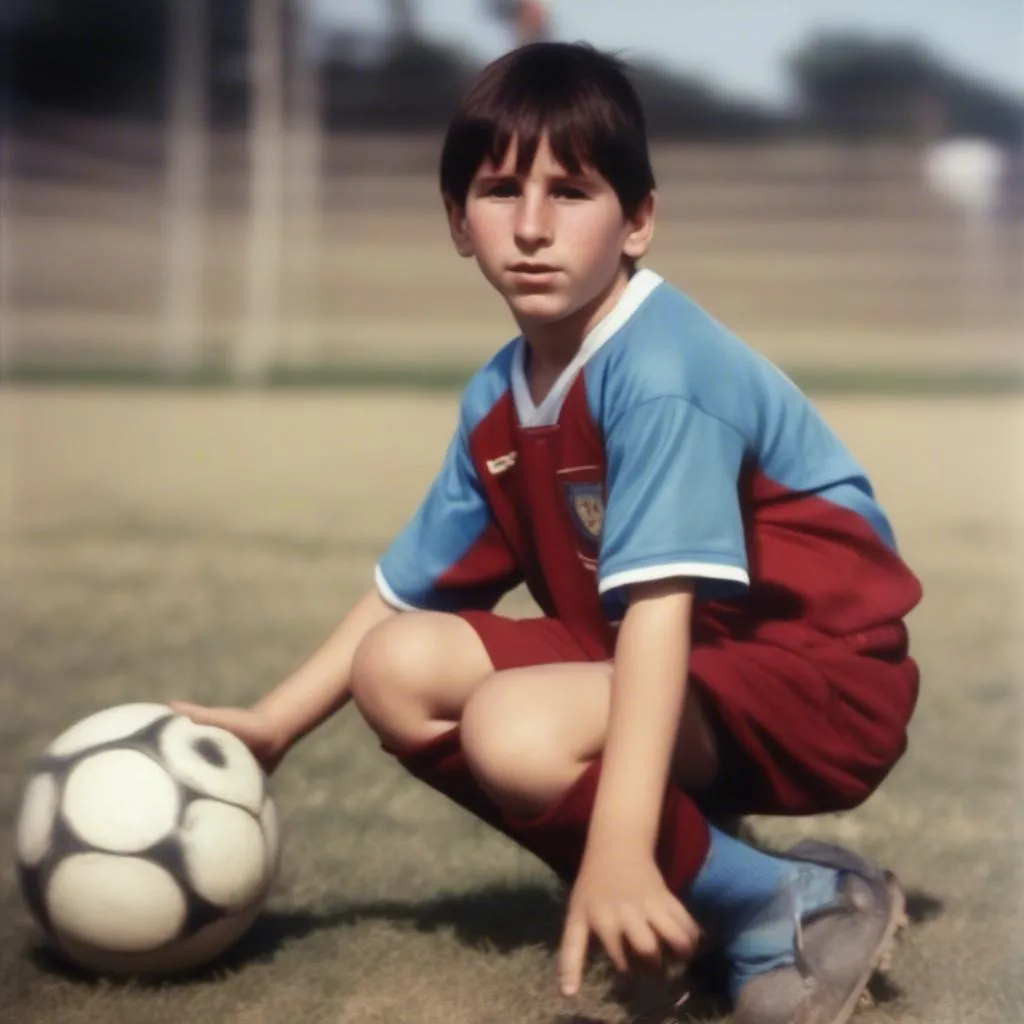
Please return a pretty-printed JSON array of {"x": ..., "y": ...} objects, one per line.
[
  {"x": 751, "y": 900},
  {"x": 557, "y": 839},
  {"x": 442, "y": 766},
  {"x": 559, "y": 835}
]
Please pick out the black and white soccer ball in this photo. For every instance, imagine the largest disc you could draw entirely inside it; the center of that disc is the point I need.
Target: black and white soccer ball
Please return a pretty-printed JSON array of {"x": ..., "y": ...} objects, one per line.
[{"x": 145, "y": 843}]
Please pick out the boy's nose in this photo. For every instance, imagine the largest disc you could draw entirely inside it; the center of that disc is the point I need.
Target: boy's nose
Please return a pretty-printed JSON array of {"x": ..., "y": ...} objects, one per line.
[{"x": 534, "y": 224}]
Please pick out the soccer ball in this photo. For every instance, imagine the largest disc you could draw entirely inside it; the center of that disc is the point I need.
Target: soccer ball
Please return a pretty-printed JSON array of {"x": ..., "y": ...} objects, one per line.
[{"x": 145, "y": 843}]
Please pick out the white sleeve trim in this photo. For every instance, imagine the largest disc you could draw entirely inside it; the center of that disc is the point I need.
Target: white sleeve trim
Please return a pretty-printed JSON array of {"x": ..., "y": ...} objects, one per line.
[
  {"x": 700, "y": 570},
  {"x": 390, "y": 597}
]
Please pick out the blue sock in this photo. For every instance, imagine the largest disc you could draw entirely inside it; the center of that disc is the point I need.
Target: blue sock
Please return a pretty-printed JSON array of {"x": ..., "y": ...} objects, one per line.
[{"x": 749, "y": 901}]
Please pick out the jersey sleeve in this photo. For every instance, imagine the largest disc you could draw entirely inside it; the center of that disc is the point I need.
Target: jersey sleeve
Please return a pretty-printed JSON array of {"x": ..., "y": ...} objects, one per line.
[
  {"x": 451, "y": 555},
  {"x": 672, "y": 505}
]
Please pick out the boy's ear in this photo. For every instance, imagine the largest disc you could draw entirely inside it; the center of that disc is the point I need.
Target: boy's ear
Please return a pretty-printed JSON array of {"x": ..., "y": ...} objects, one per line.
[
  {"x": 640, "y": 229},
  {"x": 457, "y": 227}
]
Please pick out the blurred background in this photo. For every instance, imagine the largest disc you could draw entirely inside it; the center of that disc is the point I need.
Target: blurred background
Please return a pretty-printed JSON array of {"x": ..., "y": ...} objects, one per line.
[
  {"x": 243, "y": 193},
  {"x": 246, "y": 189}
]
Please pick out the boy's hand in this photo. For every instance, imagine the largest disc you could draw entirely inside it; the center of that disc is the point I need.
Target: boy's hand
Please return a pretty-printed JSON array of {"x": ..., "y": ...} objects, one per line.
[
  {"x": 620, "y": 897},
  {"x": 249, "y": 725}
]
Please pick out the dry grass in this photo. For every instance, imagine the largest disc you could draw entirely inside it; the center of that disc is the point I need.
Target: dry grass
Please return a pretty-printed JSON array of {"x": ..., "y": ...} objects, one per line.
[{"x": 199, "y": 545}]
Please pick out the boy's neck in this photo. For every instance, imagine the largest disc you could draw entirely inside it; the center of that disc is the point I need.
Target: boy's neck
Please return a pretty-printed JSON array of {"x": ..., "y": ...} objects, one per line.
[{"x": 551, "y": 347}]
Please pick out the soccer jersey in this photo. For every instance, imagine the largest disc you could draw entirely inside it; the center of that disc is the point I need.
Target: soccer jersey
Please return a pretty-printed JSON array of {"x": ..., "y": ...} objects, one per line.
[{"x": 667, "y": 448}]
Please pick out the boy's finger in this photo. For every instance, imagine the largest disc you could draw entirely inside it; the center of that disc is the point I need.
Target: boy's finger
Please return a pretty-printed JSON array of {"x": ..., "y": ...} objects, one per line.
[
  {"x": 226, "y": 718},
  {"x": 186, "y": 708},
  {"x": 572, "y": 954},
  {"x": 680, "y": 937},
  {"x": 643, "y": 945}
]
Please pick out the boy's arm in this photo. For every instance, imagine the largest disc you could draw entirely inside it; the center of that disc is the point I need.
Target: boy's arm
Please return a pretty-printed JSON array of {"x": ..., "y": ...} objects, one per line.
[
  {"x": 620, "y": 895},
  {"x": 312, "y": 693},
  {"x": 321, "y": 686},
  {"x": 648, "y": 690}
]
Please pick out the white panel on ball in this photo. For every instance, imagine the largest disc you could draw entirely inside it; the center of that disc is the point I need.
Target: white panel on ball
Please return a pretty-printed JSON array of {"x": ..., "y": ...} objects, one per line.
[
  {"x": 224, "y": 853},
  {"x": 35, "y": 820},
  {"x": 183, "y": 955},
  {"x": 119, "y": 904},
  {"x": 238, "y": 780},
  {"x": 112, "y": 724},
  {"x": 120, "y": 800}
]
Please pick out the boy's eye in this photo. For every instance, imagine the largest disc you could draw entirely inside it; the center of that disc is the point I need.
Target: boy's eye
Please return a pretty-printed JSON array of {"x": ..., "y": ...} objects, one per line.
[
  {"x": 503, "y": 189},
  {"x": 569, "y": 192}
]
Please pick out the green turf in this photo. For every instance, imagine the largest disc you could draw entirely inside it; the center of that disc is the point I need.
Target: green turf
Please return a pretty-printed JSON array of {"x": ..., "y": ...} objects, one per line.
[
  {"x": 815, "y": 380},
  {"x": 199, "y": 545}
]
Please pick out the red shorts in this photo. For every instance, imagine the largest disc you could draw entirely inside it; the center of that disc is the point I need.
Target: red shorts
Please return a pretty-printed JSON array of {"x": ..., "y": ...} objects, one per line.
[{"x": 805, "y": 732}]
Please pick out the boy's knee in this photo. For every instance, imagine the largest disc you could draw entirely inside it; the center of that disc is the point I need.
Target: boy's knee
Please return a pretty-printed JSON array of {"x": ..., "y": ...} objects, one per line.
[
  {"x": 513, "y": 749},
  {"x": 408, "y": 672},
  {"x": 391, "y": 675}
]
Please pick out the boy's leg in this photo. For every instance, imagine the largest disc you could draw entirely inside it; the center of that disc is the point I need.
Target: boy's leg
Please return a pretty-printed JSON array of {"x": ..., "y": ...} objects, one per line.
[
  {"x": 725, "y": 885},
  {"x": 414, "y": 675},
  {"x": 810, "y": 735},
  {"x": 533, "y": 739},
  {"x": 528, "y": 733},
  {"x": 411, "y": 678}
]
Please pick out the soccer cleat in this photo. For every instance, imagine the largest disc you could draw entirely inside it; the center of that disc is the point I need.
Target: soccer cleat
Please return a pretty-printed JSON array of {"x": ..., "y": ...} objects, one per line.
[{"x": 836, "y": 950}]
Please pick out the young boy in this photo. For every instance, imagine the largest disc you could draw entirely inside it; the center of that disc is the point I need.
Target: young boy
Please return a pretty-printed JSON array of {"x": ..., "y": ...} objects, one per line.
[{"x": 723, "y": 603}]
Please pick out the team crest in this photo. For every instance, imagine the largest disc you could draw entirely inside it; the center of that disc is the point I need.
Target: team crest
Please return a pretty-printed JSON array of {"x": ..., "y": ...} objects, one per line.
[{"x": 586, "y": 502}]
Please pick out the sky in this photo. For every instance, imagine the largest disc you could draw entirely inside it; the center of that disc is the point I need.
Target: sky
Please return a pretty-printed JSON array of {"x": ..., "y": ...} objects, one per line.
[{"x": 740, "y": 46}]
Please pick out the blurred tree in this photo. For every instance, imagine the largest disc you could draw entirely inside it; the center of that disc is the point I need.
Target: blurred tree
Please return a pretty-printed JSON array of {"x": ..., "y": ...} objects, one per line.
[
  {"x": 110, "y": 57},
  {"x": 681, "y": 107},
  {"x": 858, "y": 88},
  {"x": 88, "y": 55},
  {"x": 414, "y": 85}
]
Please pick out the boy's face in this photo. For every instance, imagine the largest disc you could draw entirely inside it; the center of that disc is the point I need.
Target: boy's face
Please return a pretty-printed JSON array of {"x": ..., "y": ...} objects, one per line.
[{"x": 550, "y": 242}]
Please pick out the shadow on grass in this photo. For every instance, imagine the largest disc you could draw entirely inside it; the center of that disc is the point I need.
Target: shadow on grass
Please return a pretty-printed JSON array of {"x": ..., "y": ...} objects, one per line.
[
  {"x": 923, "y": 906},
  {"x": 498, "y": 917}
]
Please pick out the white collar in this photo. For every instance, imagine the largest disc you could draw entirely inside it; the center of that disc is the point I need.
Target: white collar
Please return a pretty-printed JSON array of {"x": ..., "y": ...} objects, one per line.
[{"x": 640, "y": 285}]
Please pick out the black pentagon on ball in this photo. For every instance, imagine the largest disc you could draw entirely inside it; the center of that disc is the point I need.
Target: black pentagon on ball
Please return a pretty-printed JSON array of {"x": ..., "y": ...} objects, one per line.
[{"x": 210, "y": 752}]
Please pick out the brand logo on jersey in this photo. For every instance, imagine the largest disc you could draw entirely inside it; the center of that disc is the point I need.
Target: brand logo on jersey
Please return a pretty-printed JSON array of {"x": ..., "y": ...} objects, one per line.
[
  {"x": 586, "y": 502},
  {"x": 502, "y": 464}
]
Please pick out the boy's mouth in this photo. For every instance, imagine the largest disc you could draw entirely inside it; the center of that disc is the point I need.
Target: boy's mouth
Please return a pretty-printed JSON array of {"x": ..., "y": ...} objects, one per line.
[{"x": 533, "y": 268}]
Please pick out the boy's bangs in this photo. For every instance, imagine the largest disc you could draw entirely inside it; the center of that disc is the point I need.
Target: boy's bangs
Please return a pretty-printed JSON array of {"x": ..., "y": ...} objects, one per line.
[
  {"x": 527, "y": 126},
  {"x": 579, "y": 99}
]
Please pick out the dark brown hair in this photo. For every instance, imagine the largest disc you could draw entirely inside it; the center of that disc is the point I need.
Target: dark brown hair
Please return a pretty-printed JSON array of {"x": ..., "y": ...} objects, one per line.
[{"x": 580, "y": 96}]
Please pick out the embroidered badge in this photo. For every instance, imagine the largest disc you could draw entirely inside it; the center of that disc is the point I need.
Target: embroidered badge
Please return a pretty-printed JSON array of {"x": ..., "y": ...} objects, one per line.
[{"x": 586, "y": 502}]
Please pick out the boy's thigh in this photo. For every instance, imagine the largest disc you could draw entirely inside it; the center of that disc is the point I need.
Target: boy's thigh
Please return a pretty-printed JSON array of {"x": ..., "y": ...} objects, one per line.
[
  {"x": 789, "y": 733},
  {"x": 802, "y": 733},
  {"x": 549, "y": 684}
]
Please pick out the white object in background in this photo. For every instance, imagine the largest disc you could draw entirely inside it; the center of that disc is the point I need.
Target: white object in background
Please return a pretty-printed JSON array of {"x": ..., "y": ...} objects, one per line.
[
  {"x": 966, "y": 172},
  {"x": 969, "y": 174}
]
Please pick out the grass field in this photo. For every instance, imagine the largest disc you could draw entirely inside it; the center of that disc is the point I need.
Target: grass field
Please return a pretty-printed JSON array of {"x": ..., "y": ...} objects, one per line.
[{"x": 199, "y": 544}]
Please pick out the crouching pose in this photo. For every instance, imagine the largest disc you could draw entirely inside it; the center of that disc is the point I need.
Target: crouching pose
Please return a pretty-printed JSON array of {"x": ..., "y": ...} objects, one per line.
[{"x": 722, "y": 598}]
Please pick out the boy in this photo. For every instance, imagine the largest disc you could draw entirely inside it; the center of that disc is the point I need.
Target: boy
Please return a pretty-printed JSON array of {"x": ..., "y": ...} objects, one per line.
[{"x": 723, "y": 604}]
